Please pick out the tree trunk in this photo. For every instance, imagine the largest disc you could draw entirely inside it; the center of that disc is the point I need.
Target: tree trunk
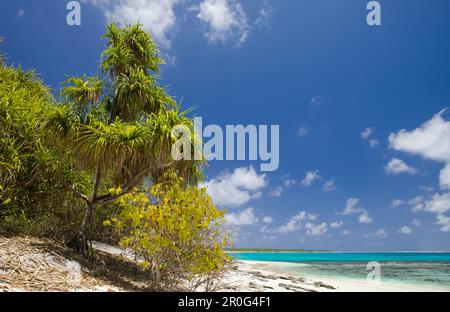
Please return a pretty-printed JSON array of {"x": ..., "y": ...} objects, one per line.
[
  {"x": 156, "y": 276},
  {"x": 81, "y": 245}
]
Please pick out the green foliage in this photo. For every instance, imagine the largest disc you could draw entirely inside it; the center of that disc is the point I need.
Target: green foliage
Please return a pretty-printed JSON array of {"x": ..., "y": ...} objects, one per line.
[
  {"x": 31, "y": 169},
  {"x": 131, "y": 61},
  {"x": 122, "y": 126},
  {"x": 119, "y": 127},
  {"x": 129, "y": 47},
  {"x": 67, "y": 166},
  {"x": 23, "y": 100},
  {"x": 175, "y": 229},
  {"x": 82, "y": 92}
]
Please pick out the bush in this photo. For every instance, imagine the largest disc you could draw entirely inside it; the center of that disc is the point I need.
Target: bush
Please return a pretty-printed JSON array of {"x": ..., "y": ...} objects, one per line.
[
  {"x": 34, "y": 197},
  {"x": 175, "y": 230}
]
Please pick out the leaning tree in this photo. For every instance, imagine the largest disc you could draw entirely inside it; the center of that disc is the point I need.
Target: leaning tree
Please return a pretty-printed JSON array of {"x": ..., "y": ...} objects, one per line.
[{"x": 118, "y": 125}]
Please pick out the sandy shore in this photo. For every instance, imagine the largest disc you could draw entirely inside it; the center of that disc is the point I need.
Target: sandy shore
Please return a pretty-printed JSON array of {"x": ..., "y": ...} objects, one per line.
[
  {"x": 32, "y": 264},
  {"x": 251, "y": 276}
]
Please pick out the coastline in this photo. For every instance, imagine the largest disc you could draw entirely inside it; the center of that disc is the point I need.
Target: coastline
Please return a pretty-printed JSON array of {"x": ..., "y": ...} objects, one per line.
[
  {"x": 262, "y": 276},
  {"x": 33, "y": 264}
]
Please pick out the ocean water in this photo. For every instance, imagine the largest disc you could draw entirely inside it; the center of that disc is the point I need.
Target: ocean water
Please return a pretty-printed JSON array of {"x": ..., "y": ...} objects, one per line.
[{"x": 429, "y": 269}]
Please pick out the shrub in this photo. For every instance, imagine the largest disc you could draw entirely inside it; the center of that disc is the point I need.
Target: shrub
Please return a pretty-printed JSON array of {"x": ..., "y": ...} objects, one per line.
[{"x": 174, "y": 229}]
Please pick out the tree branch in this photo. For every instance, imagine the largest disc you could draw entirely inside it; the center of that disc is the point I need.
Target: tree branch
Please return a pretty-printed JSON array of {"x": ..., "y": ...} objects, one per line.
[
  {"x": 127, "y": 189},
  {"x": 108, "y": 197},
  {"x": 77, "y": 192}
]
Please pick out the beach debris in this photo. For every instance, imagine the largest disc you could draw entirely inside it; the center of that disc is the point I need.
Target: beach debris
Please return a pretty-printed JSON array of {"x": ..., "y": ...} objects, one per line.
[
  {"x": 295, "y": 288},
  {"x": 285, "y": 278},
  {"x": 231, "y": 288},
  {"x": 264, "y": 276},
  {"x": 320, "y": 284},
  {"x": 252, "y": 285},
  {"x": 33, "y": 264}
]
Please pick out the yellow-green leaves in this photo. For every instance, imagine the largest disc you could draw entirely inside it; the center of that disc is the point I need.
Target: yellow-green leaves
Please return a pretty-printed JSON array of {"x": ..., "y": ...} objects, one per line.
[
  {"x": 83, "y": 91},
  {"x": 175, "y": 227},
  {"x": 129, "y": 47}
]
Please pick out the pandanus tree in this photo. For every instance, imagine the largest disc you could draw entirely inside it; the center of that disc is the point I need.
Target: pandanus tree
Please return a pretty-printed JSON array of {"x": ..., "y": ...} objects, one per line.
[
  {"x": 26, "y": 161},
  {"x": 118, "y": 126}
]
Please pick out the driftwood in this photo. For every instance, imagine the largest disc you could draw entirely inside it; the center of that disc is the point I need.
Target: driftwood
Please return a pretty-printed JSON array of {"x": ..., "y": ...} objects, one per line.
[{"x": 296, "y": 288}]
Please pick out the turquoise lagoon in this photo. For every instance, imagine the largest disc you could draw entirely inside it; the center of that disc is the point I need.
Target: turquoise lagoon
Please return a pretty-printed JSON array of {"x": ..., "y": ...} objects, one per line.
[{"x": 419, "y": 268}]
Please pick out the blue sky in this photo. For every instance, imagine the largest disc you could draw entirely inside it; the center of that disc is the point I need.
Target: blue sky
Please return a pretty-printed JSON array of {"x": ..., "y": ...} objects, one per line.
[{"x": 340, "y": 90}]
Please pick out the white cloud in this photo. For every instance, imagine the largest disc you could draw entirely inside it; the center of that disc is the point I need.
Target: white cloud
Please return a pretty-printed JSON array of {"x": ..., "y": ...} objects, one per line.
[
  {"x": 439, "y": 203},
  {"x": 236, "y": 188},
  {"x": 353, "y": 207},
  {"x": 303, "y": 131},
  {"x": 364, "y": 218},
  {"x": 398, "y": 166},
  {"x": 225, "y": 20},
  {"x": 291, "y": 226},
  {"x": 21, "y": 13},
  {"x": 373, "y": 142},
  {"x": 367, "y": 134},
  {"x": 444, "y": 177},
  {"x": 310, "y": 177},
  {"x": 313, "y": 176},
  {"x": 315, "y": 230},
  {"x": 416, "y": 222},
  {"x": 316, "y": 101},
  {"x": 329, "y": 186},
  {"x": 444, "y": 222},
  {"x": 295, "y": 222},
  {"x": 425, "y": 188},
  {"x": 269, "y": 237},
  {"x": 288, "y": 181},
  {"x": 336, "y": 224},
  {"x": 405, "y": 230},
  {"x": 397, "y": 203},
  {"x": 267, "y": 219},
  {"x": 417, "y": 204},
  {"x": 245, "y": 217},
  {"x": 157, "y": 16},
  {"x": 431, "y": 140},
  {"x": 264, "y": 15},
  {"x": 311, "y": 216},
  {"x": 276, "y": 192},
  {"x": 381, "y": 233}
]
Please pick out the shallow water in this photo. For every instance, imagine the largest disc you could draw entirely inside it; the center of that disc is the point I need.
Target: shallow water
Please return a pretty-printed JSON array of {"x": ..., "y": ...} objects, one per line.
[{"x": 426, "y": 269}]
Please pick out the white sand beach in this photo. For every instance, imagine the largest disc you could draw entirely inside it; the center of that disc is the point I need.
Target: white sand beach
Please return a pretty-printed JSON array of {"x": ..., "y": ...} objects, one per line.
[{"x": 252, "y": 276}]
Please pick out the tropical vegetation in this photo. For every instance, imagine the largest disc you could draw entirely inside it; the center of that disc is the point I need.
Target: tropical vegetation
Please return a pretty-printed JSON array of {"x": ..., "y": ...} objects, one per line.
[{"x": 99, "y": 151}]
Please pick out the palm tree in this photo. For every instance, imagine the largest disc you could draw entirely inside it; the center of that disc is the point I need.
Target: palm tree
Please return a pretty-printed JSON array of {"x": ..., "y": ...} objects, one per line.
[
  {"x": 119, "y": 128},
  {"x": 83, "y": 92}
]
